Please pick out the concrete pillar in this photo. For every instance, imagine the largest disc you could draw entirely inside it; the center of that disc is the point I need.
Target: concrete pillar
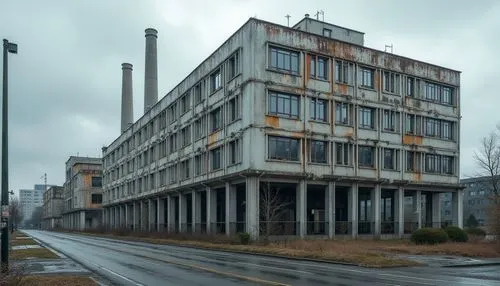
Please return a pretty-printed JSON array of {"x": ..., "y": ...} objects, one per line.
[
  {"x": 82, "y": 220},
  {"x": 135, "y": 217},
  {"x": 376, "y": 196},
  {"x": 182, "y": 213},
  {"x": 230, "y": 209},
  {"x": 160, "y": 214},
  {"x": 252, "y": 207},
  {"x": 127, "y": 217},
  {"x": 211, "y": 210},
  {"x": 301, "y": 198},
  {"x": 151, "y": 70},
  {"x": 457, "y": 202},
  {"x": 152, "y": 215},
  {"x": 400, "y": 212},
  {"x": 353, "y": 210},
  {"x": 122, "y": 216},
  {"x": 171, "y": 214},
  {"x": 127, "y": 100},
  {"x": 196, "y": 211},
  {"x": 330, "y": 209},
  {"x": 417, "y": 208},
  {"x": 436, "y": 210}
]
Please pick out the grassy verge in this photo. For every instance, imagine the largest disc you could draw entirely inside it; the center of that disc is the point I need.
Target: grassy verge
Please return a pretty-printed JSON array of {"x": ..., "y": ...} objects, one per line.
[
  {"x": 57, "y": 281},
  {"x": 332, "y": 251},
  {"x": 32, "y": 253},
  {"x": 17, "y": 242}
]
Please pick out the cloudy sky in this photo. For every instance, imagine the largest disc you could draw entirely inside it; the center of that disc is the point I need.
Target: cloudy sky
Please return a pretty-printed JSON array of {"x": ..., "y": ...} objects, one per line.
[{"x": 65, "y": 83}]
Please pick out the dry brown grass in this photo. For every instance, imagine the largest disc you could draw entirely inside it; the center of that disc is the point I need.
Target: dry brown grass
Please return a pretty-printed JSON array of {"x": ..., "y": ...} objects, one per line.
[
  {"x": 60, "y": 280},
  {"x": 32, "y": 253},
  {"x": 479, "y": 249},
  {"x": 16, "y": 242}
]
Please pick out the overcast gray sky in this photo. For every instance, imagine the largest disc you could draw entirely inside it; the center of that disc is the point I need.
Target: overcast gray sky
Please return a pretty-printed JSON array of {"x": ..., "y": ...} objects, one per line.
[{"x": 65, "y": 83}]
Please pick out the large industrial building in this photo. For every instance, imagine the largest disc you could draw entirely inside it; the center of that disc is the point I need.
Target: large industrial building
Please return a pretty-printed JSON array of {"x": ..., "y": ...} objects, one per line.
[
  {"x": 82, "y": 194},
  {"x": 288, "y": 131},
  {"x": 53, "y": 205}
]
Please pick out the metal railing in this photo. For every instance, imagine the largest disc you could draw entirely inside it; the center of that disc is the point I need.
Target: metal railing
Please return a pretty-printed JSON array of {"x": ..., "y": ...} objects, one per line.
[
  {"x": 278, "y": 227},
  {"x": 388, "y": 227},
  {"x": 410, "y": 226},
  {"x": 317, "y": 227},
  {"x": 343, "y": 227},
  {"x": 365, "y": 227}
]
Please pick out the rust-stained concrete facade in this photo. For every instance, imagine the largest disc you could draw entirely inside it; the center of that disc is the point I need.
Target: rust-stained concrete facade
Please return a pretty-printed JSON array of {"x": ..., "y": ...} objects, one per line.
[
  {"x": 53, "y": 205},
  {"x": 83, "y": 193},
  {"x": 357, "y": 136}
]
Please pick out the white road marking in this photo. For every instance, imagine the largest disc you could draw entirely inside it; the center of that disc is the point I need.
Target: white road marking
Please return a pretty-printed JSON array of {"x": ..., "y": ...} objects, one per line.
[
  {"x": 427, "y": 279},
  {"x": 321, "y": 266},
  {"x": 277, "y": 268}
]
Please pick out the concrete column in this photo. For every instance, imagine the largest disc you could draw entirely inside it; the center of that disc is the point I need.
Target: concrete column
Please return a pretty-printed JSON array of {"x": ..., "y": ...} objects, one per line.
[
  {"x": 127, "y": 100},
  {"x": 122, "y": 216},
  {"x": 302, "y": 207},
  {"x": 171, "y": 214},
  {"x": 151, "y": 70},
  {"x": 160, "y": 214},
  {"x": 182, "y": 213},
  {"x": 353, "y": 212},
  {"x": 400, "y": 212},
  {"x": 330, "y": 209},
  {"x": 436, "y": 210},
  {"x": 252, "y": 207},
  {"x": 230, "y": 209},
  {"x": 127, "y": 217},
  {"x": 82, "y": 220},
  {"x": 196, "y": 211},
  {"x": 211, "y": 210},
  {"x": 457, "y": 202},
  {"x": 377, "y": 192},
  {"x": 417, "y": 208},
  {"x": 135, "y": 216},
  {"x": 152, "y": 214}
]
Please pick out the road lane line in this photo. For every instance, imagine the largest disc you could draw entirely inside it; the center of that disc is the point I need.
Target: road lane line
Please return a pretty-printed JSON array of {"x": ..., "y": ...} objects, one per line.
[
  {"x": 277, "y": 268},
  {"x": 426, "y": 279},
  {"x": 332, "y": 267}
]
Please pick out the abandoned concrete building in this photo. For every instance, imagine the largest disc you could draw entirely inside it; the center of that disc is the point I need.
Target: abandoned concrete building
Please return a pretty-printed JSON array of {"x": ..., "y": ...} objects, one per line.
[
  {"x": 288, "y": 131},
  {"x": 82, "y": 194}
]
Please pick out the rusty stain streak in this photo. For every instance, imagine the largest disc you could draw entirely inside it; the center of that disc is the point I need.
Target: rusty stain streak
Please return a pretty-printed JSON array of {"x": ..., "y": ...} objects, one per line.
[
  {"x": 417, "y": 177},
  {"x": 376, "y": 80},
  {"x": 272, "y": 121},
  {"x": 412, "y": 140},
  {"x": 308, "y": 68},
  {"x": 212, "y": 138},
  {"x": 342, "y": 89}
]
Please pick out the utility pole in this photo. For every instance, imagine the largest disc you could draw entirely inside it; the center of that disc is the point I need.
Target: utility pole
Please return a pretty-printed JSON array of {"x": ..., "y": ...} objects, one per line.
[
  {"x": 288, "y": 19},
  {"x": 7, "y": 48}
]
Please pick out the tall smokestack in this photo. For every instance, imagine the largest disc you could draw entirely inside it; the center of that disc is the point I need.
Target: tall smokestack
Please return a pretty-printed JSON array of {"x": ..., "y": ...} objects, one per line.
[
  {"x": 127, "y": 101},
  {"x": 151, "y": 70}
]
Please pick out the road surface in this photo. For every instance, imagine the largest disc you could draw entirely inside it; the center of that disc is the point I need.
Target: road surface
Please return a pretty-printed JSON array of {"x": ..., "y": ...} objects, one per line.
[{"x": 136, "y": 263}]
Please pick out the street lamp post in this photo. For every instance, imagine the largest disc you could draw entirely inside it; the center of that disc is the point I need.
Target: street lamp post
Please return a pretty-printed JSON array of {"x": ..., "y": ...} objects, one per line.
[{"x": 7, "y": 48}]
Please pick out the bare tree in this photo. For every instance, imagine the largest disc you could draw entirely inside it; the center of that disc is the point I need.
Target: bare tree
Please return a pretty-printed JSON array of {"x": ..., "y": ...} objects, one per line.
[
  {"x": 487, "y": 158},
  {"x": 36, "y": 217},
  {"x": 273, "y": 208},
  {"x": 16, "y": 215}
]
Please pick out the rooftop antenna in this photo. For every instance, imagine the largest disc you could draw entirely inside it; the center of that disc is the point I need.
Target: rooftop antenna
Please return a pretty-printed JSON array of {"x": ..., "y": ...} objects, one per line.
[
  {"x": 388, "y": 47},
  {"x": 288, "y": 20},
  {"x": 322, "y": 13}
]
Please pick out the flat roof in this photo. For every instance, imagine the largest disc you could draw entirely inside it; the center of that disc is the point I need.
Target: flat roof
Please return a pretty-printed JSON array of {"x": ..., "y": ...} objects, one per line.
[{"x": 323, "y": 22}]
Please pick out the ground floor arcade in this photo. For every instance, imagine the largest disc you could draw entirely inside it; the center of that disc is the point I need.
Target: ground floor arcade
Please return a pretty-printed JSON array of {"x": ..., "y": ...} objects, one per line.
[
  {"x": 84, "y": 219},
  {"x": 276, "y": 207}
]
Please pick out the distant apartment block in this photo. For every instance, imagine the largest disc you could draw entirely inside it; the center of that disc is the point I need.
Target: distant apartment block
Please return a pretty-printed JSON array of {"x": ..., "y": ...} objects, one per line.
[
  {"x": 83, "y": 193},
  {"x": 30, "y": 199},
  {"x": 53, "y": 206},
  {"x": 356, "y": 141},
  {"x": 478, "y": 196}
]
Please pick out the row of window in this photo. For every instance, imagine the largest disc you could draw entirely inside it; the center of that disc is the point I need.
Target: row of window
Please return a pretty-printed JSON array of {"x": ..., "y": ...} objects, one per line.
[
  {"x": 186, "y": 169},
  {"x": 288, "y": 149},
  {"x": 215, "y": 121},
  {"x": 288, "y": 105},
  {"x": 287, "y": 60},
  {"x": 233, "y": 156}
]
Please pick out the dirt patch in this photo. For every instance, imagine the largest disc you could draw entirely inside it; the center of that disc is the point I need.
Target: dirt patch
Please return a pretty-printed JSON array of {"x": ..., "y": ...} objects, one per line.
[
  {"x": 60, "y": 280},
  {"x": 23, "y": 241},
  {"x": 33, "y": 253}
]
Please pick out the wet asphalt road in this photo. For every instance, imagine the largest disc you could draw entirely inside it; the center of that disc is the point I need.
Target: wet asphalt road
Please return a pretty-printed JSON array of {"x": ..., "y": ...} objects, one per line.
[{"x": 135, "y": 263}]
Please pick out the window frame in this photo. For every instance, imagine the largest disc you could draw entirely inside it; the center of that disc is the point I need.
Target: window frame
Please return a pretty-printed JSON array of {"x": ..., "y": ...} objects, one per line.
[
  {"x": 284, "y": 96},
  {"x": 367, "y": 77},
  {"x": 371, "y": 162},
  {"x": 314, "y": 67},
  {"x": 362, "y": 112},
  {"x": 273, "y": 60},
  {"x": 290, "y": 141},
  {"x": 216, "y": 80},
  {"x": 217, "y": 150},
  {"x": 314, "y": 108},
  {"x": 313, "y": 152}
]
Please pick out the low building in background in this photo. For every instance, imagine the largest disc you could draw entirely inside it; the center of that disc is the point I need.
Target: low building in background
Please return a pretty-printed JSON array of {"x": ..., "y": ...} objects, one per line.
[
  {"x": 83, "y": 193},
  {"x": 53, "y": 204},
  {"x": 478, "y": 196}
]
